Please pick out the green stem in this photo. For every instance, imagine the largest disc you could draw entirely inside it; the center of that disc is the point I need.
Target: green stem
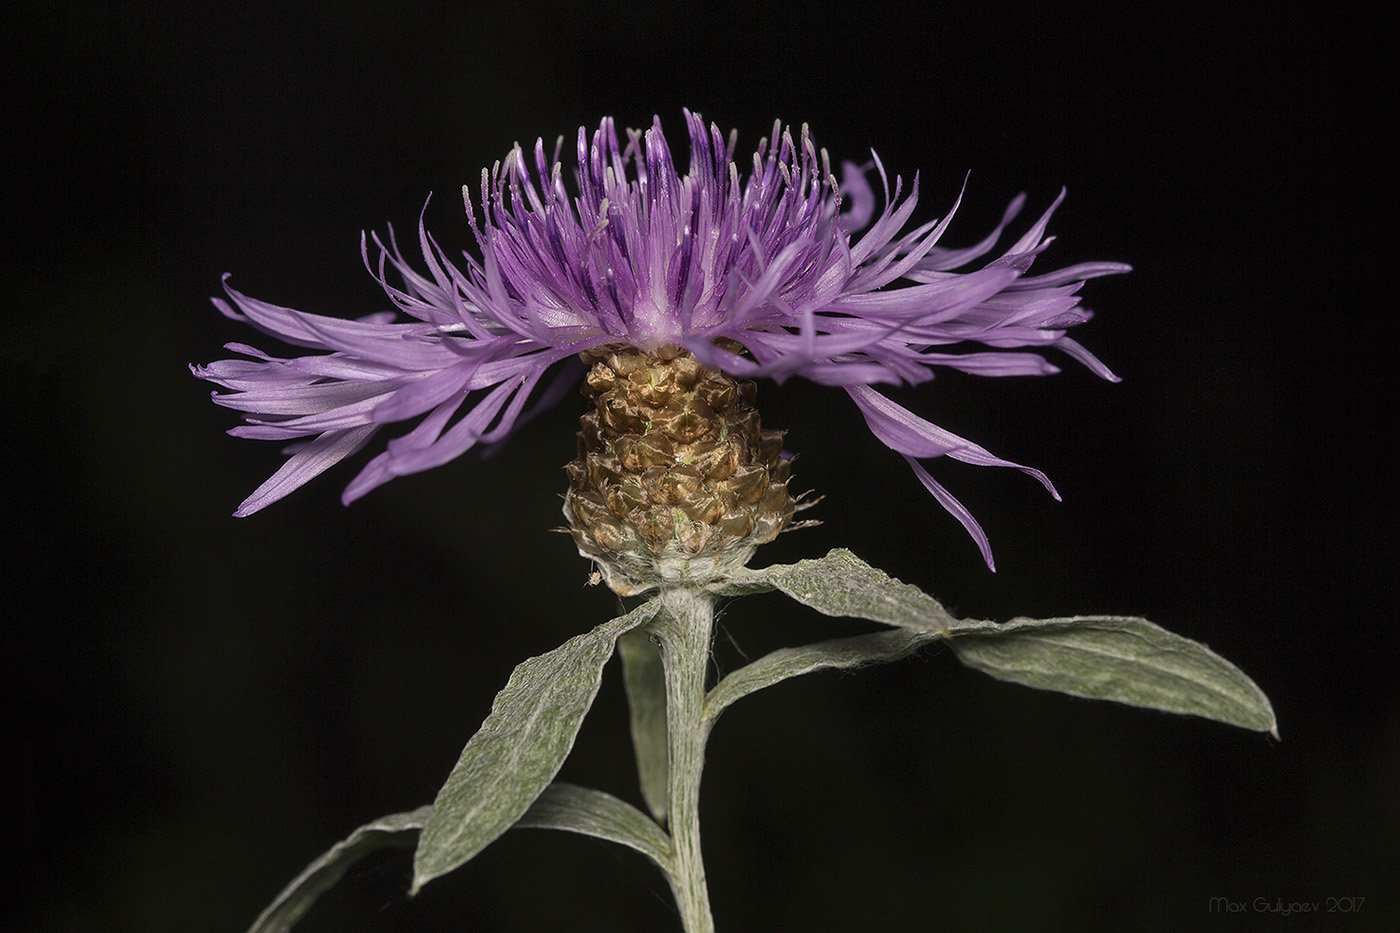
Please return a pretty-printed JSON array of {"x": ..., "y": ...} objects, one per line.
[{"x": 684, "y": 631}]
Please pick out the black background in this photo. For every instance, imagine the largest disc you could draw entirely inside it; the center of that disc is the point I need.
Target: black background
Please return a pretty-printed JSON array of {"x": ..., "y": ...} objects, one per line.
[{"x": 202, "y": 704}]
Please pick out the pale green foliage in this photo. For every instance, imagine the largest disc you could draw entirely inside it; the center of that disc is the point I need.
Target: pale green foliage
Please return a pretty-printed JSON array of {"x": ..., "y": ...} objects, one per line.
[
  {"x": 594, "y": 813},
  {"x": 504, "y": 775},
  {"x": 396, "y": 830},
  {"x": 837, "y": 654},
  {"x": 1121, "y": 658},
  {"x": 561, "y": 806},
  {"x": 841, "y": 584},
  {"x": 519, "y": 748},
  {"x": 646, "y": 700}
]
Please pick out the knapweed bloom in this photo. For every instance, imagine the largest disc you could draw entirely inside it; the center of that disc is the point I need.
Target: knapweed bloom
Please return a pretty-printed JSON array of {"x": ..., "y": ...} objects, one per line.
[{"x": 677, "y": 287}]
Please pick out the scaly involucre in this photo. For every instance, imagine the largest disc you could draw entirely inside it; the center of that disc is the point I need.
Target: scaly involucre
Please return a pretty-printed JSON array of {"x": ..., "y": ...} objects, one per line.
[{"x": 646, "y": 255}]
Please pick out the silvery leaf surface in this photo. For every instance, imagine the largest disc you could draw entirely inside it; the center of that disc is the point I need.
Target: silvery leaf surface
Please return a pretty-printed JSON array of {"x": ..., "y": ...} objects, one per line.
[
  {"x": 396, "y": 830},
  {"x": 519, "y": 749},
  {"x": 593, "y": 813},
  {"x": 835, "y": 654},
  {"x": 1120, "y": 658},
  {"x": 841, "y": 584},
  {"x": 646, "y": 700}
]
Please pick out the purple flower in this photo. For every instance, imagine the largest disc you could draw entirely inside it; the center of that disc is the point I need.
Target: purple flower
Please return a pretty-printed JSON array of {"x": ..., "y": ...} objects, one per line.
[{"x": 648, "y": 255}]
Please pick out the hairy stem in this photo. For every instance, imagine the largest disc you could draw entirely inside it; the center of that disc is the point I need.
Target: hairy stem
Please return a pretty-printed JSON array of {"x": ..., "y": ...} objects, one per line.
[{"x": 684, "y": 632}]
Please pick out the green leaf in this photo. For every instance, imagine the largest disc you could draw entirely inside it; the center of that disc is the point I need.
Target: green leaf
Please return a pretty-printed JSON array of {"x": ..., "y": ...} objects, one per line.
[
  {"x": 838, "y": 653},
  {"x": 519, "y": 748},
  {"x": 841, "y": 584},
  {"x": 398, "y": 829},
  {"x": 646, "y": 698},
  {"x": 745, "y": 582},
  {"x": 594, "y": 813},
  {"x": 1120, "y": 658}
]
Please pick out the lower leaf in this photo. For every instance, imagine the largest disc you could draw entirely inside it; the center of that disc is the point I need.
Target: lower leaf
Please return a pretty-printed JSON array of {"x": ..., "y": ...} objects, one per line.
[
  {"x": 646, "y": 702},
  {"x": 396, "y": 830},
  {"x": 593, "y": 813}
]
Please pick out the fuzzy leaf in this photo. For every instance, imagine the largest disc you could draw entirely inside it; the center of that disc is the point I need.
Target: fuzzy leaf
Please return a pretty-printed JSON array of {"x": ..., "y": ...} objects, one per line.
[
  {"x": 594, "y": 813},
  {"x": 1120, "y": 658},
  {"x": 646, "y": 699},
  {"x": 518, "y": 749},
  {"x": 841, "y": 584},
  {"x": 838, "y": 653},
  {"x": 398, "y": 829},
  {"x": 747, "y": 582}
]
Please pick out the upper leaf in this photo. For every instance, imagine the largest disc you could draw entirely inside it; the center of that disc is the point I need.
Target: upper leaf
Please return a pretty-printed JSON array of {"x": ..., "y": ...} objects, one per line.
[
  {"x": 841, "y": 584},
  {"x": 1121, "y": 658},
  {"x": 835, "y": 654},
  {"x": 519, "y": 748}
]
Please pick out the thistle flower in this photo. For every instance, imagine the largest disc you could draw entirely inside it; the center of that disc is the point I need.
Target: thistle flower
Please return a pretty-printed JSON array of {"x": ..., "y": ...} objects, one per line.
[{"x": 740, "y": 276}]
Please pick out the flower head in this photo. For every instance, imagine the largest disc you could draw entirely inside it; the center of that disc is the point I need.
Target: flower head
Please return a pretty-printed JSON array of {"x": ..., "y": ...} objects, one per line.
[{"x": 756, "y": 274}]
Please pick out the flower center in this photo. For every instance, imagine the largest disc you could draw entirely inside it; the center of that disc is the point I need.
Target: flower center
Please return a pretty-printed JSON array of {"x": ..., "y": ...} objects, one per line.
[{"x": 676, "y": 481}]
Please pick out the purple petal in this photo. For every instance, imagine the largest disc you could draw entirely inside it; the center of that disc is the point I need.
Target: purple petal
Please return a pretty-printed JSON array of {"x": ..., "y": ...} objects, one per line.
[
  {"x": 646, "y": 255},
  {"x": 957, "y": 510},
  {"x": 312, "y": 460},
  {"x": 903, "y": 431}
]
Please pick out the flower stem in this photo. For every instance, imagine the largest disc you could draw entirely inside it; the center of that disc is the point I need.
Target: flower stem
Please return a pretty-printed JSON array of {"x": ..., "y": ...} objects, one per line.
[{"x": 684, "y": 631}]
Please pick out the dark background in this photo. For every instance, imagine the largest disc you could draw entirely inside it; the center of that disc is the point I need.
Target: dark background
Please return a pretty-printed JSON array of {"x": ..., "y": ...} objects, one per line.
[{"x": 202, "y": 704}]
